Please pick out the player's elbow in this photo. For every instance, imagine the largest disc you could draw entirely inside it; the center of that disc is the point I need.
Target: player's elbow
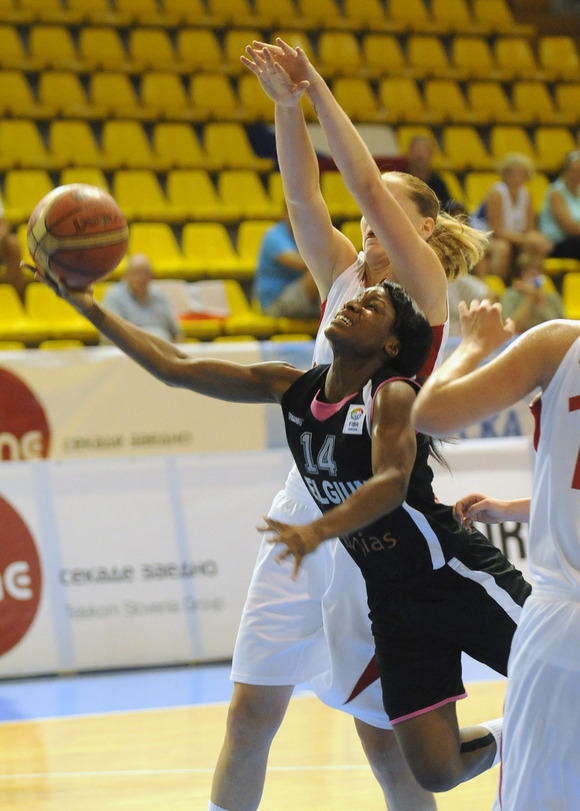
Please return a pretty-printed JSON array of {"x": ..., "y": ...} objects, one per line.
[{"x": 428, "y": 418}]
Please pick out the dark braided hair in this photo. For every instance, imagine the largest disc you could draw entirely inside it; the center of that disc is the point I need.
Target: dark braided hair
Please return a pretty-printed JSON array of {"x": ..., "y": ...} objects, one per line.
[{"x": 411, "y": 328}]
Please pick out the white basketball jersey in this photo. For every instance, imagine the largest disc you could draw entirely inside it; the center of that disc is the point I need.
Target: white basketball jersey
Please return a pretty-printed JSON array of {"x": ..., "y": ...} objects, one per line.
[{"x": 554, "y": 536}]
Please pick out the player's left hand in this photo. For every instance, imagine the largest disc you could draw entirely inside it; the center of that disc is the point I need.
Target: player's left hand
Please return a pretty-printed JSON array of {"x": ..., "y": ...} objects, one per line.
[
  {"x": 299, "y": 540},
  {"x": 81, "y": 300},
  {"x": 275, "y": 80}
]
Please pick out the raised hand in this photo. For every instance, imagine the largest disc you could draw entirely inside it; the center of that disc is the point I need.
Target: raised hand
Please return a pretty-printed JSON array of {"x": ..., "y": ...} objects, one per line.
[
  {"x": 81, "y": 300},
  {"x": 275, "y": 80},
  {"x": 482, "y": 324}
]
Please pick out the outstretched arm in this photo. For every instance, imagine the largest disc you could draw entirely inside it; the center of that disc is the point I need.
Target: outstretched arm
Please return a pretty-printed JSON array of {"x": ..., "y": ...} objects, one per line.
[
  {"x": 459, "y": 394},
  {"x": 224, "y": 380},
  {"x": 414, "y": 263},
  {"x": 486, "y": 510},
  {"x": 325, "y": 249},
  {"x": 393, "y": 454}
]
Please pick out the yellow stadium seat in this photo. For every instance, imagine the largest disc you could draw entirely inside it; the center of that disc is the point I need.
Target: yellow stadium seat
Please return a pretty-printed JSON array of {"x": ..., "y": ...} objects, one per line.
[
  {"x": 454, "y": 15},
  {"x": 537, "y": 187},
  {"x": 210, "y": 251},
  {"x": 199, "y": 49},
  {"x": 515, "y": 57},
  {"x": 73, "y": 143},
  {"x": 367, "y": 15},
  {"x": 102, "y": 48},
  {"x": 356, "y": 98},
  {"x": 295, "y": 37},
  {"x": 23, "y": 189},
  {"x": 227, "y": 146},
  {"x": 498, "y": 17},
  {"x": 558, "y": 56},
  {"x": 464, "y": 149},
  {"x": 339, "y": 54},
  {"x": 403, "y": 102},
  {"x": 48, "y": 11},
  {"x": 341, "y": 204},
  {"x": 446, "y": 96},
  {"x": 234, "y": 45},
  {"x": 11, "y": 346},
  {"x": 125, "y": 146},
  {"x": 22, "y": 146},
  {"x": 191, "y": 194},
  {"x": 140, "y": 195},
  {"x": 62, "y": 343},
  {"x": 453, "y": 183},
  {"x": 552, "y": 145},
  {"x": 13, "y": 53},
  {"x": 61, "y": 93},
  {"x": 571, "y": 294},
  {"x": 351, "y": 229},
  {"x": 213, "y": 96},
  {"x": 320, "y": 15},
  {"x": 184, "y": 12},
  {"x": 243, "y": 319},
  {"x": 477, "y": 185},
  {"x": 249, "y": 241},
  {"x": 495, "y": 283},
  {"x": 503, "y": 139},
  {"x": 151, "y": 49},
  {"x": 227, "y": 13},
  {"x": 15, "y": 323},
  {"x": 176, "y": 145},
  {"x": 406, "y": 133},
  {"x": 97, "y": 12},
  {"x": 412, "y": 15},
  {"x": 53, "y": 46},
  {"x": 473, "y": 58},
  {"x": 16, "y": 96},
  {"x": 84, "y": 174},
  {"x": 567, "y": 96},
  {"x": 138, "y": 12},
  {"x": 56, "y": 316},
  {"x": 11, "y": 12},
  {"x": 157, "y": 240},
  {"x": 242, "y": 190},
  {"x": 163, "y": 95},
  {"x": 532, "y": 98},
  {"x": 427, "y": 56},
  {"x": 114, "y": 94},
  {"x": 382, "y": 53},
  {"x": 490, "y": 102}
]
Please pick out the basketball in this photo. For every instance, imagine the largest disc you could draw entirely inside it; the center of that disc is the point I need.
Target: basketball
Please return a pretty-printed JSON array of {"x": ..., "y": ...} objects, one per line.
[{"x": 77, "y": 234}]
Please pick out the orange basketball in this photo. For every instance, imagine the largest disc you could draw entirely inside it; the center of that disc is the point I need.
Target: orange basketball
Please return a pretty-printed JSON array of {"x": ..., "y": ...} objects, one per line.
[{"x": 78, "y": 234}]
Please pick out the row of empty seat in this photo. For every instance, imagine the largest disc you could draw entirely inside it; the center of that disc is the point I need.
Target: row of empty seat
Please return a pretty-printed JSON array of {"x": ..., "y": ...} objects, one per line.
[
  {"x": 191, "y": 50},
  {"x": 44, "y": 317},
  {"x": 128, "y": 145},
  {"x": 439, "y": 16},
  {"x": 209, "y": 96}
]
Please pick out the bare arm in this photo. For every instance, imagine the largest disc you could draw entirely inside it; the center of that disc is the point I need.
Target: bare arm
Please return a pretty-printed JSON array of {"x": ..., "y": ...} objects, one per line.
[
  {"x": 486, "y": 510},
  {"x": 459, "y": 393},
  {"x": 325, "y": 250},
  {"x": 224, "y": 380},
  {"x": 393, "y": 455},
  {"x": 414, "y": 263},
  {"x": 562, "y": 215}
]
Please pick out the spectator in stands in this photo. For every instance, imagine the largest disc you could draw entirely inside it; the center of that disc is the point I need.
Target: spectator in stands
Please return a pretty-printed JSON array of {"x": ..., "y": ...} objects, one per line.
[
  {"x": 560, "y": 215},
  {"x": 11, "y": 272},
  {"x": 283, "y": 284},
  {"x": 419, "y": 163},
  {"x": 139, "y": 302},
  {"x": 531, "y": 298},
  {"x": 508, "y": 212}
]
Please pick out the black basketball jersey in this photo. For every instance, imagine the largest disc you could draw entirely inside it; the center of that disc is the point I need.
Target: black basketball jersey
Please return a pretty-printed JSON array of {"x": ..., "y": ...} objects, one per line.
[{"x": 331, "y": 445}]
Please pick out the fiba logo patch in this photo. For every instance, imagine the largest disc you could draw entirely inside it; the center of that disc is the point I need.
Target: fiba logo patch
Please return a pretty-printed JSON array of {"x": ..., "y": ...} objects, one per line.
[
  {"x": 355, "y": 419},
  {"x": 20, "y": 578},
  {"x": 24, "y": 429}
]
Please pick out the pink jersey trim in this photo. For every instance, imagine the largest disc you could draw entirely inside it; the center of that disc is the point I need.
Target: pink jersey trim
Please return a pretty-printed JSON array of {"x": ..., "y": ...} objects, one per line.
[
  {"x": 323, "y": 411},
  {"x": 427, "y": 709},
  {"x": 409, "y": 380}
]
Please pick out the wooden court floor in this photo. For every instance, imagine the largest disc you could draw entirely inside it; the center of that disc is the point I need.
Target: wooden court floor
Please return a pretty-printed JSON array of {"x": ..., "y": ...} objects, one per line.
[{"x": 164, "y": 759}]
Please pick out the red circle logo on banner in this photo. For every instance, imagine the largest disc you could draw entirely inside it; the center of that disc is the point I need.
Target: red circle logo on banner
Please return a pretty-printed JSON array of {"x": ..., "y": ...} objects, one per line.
[
  {"x": 24, "y": 430},
  {"x": 20, "y": 578}
]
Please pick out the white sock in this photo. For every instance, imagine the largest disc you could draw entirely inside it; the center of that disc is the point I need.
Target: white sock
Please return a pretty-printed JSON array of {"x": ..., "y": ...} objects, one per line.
[
  {"x": 495, "y": 727},
  {"x": 213, "y": 807}
]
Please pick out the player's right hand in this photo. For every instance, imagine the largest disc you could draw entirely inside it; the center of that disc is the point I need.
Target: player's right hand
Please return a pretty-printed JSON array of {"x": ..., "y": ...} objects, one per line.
[{"x": 81, "y": 300}]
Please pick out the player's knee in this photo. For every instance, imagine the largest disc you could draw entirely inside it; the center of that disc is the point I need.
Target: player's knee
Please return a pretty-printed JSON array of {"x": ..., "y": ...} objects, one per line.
[
  {"x": 253, "y": 718},
  {"x": 436, "y": 775}
]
